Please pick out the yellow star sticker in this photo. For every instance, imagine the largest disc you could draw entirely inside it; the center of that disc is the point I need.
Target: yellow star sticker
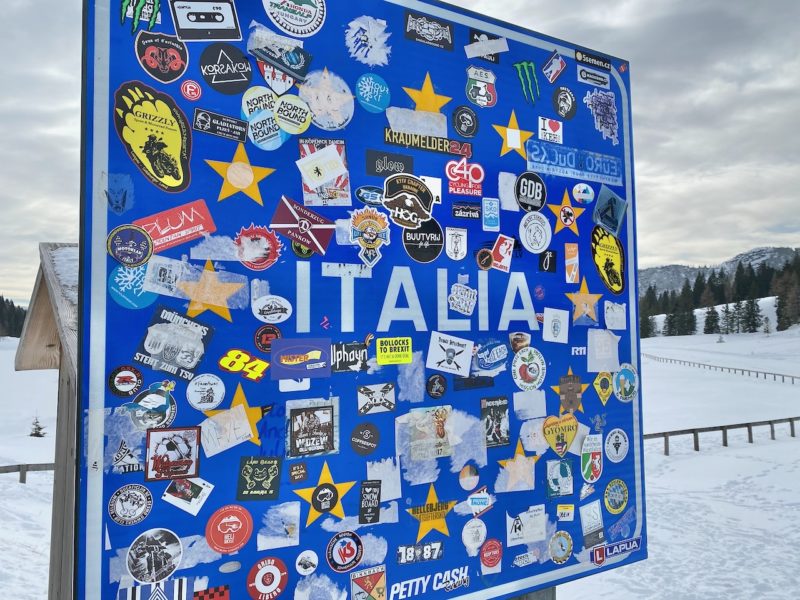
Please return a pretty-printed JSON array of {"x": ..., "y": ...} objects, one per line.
[
  {"x": 570, "y": 380},
  {"x": 513, "y": 137},
  {"x": 426, "y": 99},
  {"x": 328, "y": 492},
  {"x": 239, "y": 175},
  {"x": 584, "y": 303},
  {"x": 566, "y": 214},
  {"x": 519, "y": 468},
  {"x": 431, "y": 515},
  {"x": 254, "y": 413},
  {"x": 209, "y": 293}
]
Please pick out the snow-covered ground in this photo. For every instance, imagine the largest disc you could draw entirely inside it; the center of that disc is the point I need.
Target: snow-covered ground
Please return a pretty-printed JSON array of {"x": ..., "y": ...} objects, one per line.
[
  {"x": 765, "y": 305},
  {"x": 722, "y": 522}
]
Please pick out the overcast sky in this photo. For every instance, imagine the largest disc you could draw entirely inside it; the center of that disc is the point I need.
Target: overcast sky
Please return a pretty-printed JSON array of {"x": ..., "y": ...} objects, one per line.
[{"x": 716, "y": 108}]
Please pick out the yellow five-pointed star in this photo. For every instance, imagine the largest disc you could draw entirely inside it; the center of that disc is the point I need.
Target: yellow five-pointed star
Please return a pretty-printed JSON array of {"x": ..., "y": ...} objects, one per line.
[
  {"x": 425, "y": 98},
  {"x": 431, "y": 515},
  {"x": 239, "y": 175},
  {"x": 579, "y": 395},
  {"x": 254, "y": 413},
  {"x": 519, "y": 468},
  {"x": 566, "y": 214},
  {"x": 209, "y": 293},
  {"x": 584, "y": 302},
  {"x": 513, "y": 137},
  {"x": 328, "y": 492}
]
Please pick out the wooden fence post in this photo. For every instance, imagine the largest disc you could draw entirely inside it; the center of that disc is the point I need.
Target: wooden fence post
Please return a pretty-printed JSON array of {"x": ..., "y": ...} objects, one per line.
[
  {"x": 725, "y": 436},
  {"x": 750, "y": 434},
  {"x": 696, "y": 441},
  {"x": 23, "y": 473},
  {"x": 791, "y": 426},
  {"x": 666, "y": 445}
]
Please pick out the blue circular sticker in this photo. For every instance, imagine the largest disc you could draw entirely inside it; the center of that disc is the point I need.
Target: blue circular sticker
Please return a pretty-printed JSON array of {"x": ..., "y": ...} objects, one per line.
[
  {"x": 126, "y": 287},
  {"x": 264, "y": 132},
  {"x": 130, "y": 245},
  {"x": 373, "y": 92}
]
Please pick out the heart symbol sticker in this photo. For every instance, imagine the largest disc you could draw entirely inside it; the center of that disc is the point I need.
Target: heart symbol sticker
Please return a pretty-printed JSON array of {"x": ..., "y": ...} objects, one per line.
[
  {"x": 553, "y": 125},
  {"x": 560, "y": 431}
]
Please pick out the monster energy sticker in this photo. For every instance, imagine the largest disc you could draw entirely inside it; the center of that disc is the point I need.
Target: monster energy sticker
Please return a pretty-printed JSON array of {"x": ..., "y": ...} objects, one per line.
[
  {"x": 155, "y": 134},
  {"x": 526, "y": 73},
  {"x": 259, "y": 478}
]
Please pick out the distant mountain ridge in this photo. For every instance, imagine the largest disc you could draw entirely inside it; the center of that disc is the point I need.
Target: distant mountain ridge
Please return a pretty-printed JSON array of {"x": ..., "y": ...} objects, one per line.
[{"x": 670, "y": 277}]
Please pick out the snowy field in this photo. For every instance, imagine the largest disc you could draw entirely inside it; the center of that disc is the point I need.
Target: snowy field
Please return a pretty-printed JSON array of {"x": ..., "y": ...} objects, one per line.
[{"x": 722, "y": 522}]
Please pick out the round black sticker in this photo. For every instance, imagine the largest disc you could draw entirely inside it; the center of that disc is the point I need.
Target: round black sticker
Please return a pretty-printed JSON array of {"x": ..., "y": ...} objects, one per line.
[
  {"x": 425, "y": 244},
  {"x": 436, "y": 386},
  {"x": 325, "y": 498},
  {"x": 484, "y": 258},
  {"x": 265, "y": 335},
  {"x": 365, "y": 438},
  {"x": 226, "y": 69},
  {"x": 564, "y": 103},
  {"x": 530, "y": 191},
  {"x": 302, "y": 251},
  {"x": 465, "y": 121},
  {"x": 125, "y": 381}
]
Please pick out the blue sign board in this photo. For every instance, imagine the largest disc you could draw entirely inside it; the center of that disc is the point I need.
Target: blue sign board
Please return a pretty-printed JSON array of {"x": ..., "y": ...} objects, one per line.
[{"x": 369, "y": 329}]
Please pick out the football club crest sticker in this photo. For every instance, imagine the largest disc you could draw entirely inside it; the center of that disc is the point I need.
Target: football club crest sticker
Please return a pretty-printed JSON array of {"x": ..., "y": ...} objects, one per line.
[
  {"x": 369, "y": 228},
  {"x": 481, "y": 90}
]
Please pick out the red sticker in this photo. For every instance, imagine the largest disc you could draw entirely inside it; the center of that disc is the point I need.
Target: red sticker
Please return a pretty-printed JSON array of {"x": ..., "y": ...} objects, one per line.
[
  {"x": 229, "y": 529},
  {"x": 267, "y": 579},
  {"x": 191, "y": 90},
  {"x": 303, "y": 226},
  {"x": 491, "y": 553},
  {"x": 178, "y": 225}
]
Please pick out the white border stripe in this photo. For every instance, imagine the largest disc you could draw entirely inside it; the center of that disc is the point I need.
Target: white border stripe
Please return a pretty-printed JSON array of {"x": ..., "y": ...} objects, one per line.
[{"x": 94, "y": 422}]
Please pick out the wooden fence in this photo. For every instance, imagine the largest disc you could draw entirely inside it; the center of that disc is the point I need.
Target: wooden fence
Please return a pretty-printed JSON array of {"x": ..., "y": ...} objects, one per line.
[
  {"x": 25, "y": 469},
  {"x": 734, "y": 370},
  {"x": 724, "y": 429}
]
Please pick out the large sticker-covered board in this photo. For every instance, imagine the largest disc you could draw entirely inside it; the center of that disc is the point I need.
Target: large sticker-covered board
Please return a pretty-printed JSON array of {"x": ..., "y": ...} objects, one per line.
[{"x": 358, "y": 305}]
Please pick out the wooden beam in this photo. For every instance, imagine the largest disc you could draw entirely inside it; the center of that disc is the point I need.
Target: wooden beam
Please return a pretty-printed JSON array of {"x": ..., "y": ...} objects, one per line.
[{"x": 39, "y": 345}]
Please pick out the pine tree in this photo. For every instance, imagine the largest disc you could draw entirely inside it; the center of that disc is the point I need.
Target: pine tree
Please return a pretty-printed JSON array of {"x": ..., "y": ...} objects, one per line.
[
  {"x": 698, "y": 289},
  {"x": 727, "y": 319},
  {"x": 767, "y": 328},
  {"x": 37, "y": 429},
  {"x": 751, "y": 316},
  {"x": 738, "y": 316},
  {"x": 712, "y": 321}
]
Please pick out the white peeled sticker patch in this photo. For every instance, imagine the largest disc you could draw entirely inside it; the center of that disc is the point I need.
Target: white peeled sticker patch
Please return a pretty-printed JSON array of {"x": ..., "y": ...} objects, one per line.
[
  {"x": 422, "y": 122},
  {"x": 484, "y": 47}
]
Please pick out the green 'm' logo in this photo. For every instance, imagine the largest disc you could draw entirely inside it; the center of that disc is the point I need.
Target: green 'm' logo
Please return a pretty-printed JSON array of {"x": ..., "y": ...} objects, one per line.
[{"x": 526, "y": 71}]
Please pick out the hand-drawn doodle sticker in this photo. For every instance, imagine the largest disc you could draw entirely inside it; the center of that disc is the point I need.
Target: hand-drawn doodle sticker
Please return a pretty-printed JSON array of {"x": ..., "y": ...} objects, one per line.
[
  {"x": 155, "y": 134},
  {"x": 300, "y": 18},
  {"x": 366, "y": 39},
  {"x": 329, "y": 98},
  {"x": 158, "y": 546},
  {"x": 205, "y": 392},
  {"x": 609, "y": 259},
  {"x": 372, "y": 93}
]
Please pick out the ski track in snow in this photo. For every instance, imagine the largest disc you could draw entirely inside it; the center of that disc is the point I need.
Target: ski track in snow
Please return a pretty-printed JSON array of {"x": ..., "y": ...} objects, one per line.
[{"x": 722, "y": 523}]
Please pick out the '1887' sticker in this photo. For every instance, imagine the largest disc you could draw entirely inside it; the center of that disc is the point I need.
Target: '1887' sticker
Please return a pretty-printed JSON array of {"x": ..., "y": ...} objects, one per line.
[{"x": 407, "y": 555}]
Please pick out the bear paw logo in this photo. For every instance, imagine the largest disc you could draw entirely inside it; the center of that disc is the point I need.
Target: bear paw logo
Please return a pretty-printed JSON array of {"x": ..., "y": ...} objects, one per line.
[{"x": 155, "y": 134}]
